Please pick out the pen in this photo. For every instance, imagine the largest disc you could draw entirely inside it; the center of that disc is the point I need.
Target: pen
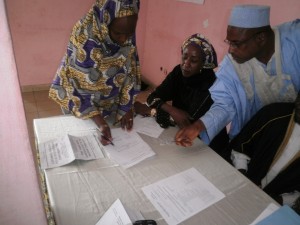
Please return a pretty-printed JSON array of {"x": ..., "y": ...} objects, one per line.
[{"x": 104, "y": 137}]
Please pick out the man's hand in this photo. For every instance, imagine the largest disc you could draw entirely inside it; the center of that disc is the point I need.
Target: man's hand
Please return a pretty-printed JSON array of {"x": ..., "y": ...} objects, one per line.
[{"x": 186, "y": 136}]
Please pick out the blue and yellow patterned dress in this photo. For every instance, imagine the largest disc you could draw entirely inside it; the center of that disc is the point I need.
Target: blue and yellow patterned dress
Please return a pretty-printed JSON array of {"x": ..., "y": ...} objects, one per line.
[{"x": 98, "y": 76}]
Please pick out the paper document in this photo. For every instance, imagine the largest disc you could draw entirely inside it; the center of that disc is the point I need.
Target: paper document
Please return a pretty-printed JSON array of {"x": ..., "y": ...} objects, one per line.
[
  {"x": 118, "y": 214},
  {"x": 129, "y": 148},
  {"x": 54, "y": 127},
  {"x": 182, "y": 195},
  {"x": 61, "y": 151},
  {"x": 147, "y": 125}
]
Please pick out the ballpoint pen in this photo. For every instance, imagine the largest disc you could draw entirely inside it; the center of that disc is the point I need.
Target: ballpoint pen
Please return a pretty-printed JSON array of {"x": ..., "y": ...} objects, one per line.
[{"x": 104, "y": 137}]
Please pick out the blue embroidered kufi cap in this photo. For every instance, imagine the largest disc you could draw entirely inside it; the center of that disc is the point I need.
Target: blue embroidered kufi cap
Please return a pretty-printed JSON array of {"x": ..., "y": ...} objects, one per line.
[{"x": 250, "y": 16}]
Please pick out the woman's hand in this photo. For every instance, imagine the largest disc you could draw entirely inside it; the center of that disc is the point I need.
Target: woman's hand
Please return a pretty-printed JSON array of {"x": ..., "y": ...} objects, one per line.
[
  {"x": 127, "y": 120},
  {"x": 181, "y": 118},
  {"x": 186, "y": 136},
  {"x": 142, "y": 109},
  {"x": 106, "y": 137}
]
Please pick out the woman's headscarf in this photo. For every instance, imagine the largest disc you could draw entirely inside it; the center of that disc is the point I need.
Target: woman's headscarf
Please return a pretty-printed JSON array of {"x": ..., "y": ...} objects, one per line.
[
  {"x": 91, "y": 33},
  {"x": 97, "y": 75},
  {"x": 207, "y": 50},
  {"x": 111, "y": 9}
]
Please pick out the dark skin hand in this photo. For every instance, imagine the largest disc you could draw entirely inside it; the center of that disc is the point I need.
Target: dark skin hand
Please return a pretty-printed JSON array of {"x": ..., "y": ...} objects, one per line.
[
  {"x": 142, "y": 109},
  {"x": 104, "y": 128},
  {"x": 106, "y": 138},
  {"x": 127, "y": 121},
  {"x": 186, "y": 136},
  {"x": 181, "y": 117}
]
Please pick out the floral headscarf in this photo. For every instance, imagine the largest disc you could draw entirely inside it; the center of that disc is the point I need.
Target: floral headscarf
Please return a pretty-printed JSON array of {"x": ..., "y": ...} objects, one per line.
[
  {"x": 98, "y": 76},
  {"x": 107, "y": 10},
  {"x": 207, "y": 50}
]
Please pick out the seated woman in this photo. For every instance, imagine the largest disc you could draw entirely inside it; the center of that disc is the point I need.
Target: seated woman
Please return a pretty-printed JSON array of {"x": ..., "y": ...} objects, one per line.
[
  {"x": 100, "y": 72},
  {"x": 267, "y": 151},
  {"x": 187, "y": 88}
]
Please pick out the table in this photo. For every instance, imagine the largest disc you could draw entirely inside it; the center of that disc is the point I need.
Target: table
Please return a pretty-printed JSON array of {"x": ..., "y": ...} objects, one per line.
[{"x": 80, "y": 192}]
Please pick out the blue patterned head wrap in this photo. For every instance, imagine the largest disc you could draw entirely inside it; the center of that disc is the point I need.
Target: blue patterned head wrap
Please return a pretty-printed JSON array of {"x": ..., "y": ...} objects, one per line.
[
  {"x": 207, "y": 50},
  {"x": 108, "y": 10}
]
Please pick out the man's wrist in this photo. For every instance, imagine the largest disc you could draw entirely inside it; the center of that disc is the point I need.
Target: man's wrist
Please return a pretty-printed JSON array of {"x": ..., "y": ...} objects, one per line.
[{"x": 199, "y": 125}]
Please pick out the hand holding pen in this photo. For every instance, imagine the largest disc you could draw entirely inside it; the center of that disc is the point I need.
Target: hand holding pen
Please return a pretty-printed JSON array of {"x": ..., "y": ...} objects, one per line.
[
  {"x": 103, "y": 129},
  {"x": 105, "y": 135}
]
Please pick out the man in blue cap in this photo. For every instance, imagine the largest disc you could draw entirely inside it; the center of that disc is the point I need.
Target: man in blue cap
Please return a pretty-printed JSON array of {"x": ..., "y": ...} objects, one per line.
[{"x": 262, "y": 67}]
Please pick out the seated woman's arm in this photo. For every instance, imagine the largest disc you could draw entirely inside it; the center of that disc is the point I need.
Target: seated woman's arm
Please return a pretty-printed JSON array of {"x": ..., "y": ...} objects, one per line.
[
  {"x": 142, "y": 109},
  {"x": 181, "y": 117},
  {"x": 164, "y": 93}
]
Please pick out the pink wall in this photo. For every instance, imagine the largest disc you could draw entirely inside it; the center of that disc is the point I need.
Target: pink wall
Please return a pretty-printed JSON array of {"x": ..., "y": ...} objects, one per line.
[
  {"x": 20, "y": 197},
  {"x": 40, "y": 31},
  {"x": 41, "y": 28},
  {"x": 169, "y": 22}
]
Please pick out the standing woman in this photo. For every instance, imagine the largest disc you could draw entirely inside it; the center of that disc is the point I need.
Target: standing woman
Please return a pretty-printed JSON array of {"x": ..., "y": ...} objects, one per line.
[
  {"x": 187, "y": 87},
  {"x": 100, "y": 72}
]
